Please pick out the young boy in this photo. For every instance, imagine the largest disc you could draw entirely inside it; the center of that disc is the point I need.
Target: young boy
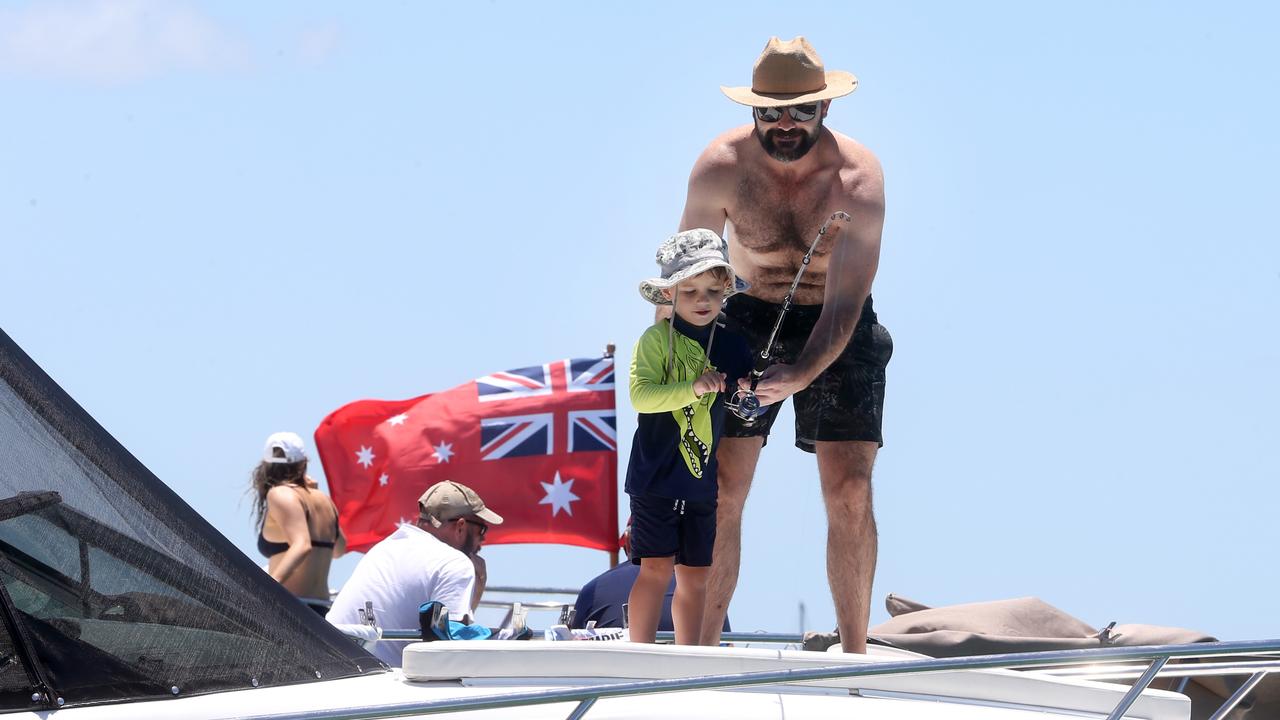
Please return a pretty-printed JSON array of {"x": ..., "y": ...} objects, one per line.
[{"x": 679, "y": 370}]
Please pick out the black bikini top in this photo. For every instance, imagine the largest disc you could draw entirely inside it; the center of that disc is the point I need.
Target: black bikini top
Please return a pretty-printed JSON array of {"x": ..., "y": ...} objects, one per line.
[{"x": 271, "y": 549}]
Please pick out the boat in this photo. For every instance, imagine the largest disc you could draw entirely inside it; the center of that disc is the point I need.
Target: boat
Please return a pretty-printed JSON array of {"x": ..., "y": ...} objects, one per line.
[{"x": 120, "y": 601}]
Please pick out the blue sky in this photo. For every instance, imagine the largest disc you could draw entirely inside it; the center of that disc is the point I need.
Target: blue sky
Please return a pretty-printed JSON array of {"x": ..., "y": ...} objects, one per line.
[{"x": 219, "y": 221}]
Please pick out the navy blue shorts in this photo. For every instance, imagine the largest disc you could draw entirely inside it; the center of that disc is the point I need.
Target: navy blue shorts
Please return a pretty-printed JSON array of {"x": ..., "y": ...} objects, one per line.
[
  {"x": 662, "y": 527},
  {"x": 846, "y": 401}
]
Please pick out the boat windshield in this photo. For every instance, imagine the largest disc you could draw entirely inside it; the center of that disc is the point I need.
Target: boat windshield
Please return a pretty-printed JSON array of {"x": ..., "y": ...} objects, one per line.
[{"x": 112, "y": 588}]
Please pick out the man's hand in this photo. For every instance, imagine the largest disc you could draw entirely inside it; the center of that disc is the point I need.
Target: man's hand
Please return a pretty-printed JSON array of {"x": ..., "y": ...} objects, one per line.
[
  {"x": 710, "y": 381},
  {"x": 778, "y": 383},
  {"x": 482, "y": 578}
]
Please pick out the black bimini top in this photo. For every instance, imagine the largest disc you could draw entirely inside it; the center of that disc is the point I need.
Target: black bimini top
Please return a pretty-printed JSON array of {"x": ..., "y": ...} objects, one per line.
[{"x": 112, "y": 588}]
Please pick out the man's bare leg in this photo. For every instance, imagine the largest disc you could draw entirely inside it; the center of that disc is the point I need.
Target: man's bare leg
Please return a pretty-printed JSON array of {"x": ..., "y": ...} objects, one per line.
[
  {"x": 736, "y": 460},
  {"x": 845, "y": 472}
]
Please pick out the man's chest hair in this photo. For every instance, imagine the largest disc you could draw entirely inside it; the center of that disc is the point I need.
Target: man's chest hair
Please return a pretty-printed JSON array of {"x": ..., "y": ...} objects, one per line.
[{"x": 773, "y": 217}]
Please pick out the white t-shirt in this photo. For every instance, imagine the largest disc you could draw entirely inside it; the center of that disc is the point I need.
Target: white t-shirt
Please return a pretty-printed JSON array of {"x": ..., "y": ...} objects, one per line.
[{"x": 397, "y": 575}]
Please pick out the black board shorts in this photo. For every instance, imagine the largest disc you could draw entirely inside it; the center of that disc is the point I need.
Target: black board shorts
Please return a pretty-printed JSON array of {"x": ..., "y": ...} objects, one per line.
[
  {"x": 663, "y": 527},
  {"x": 845, "y": 402}
]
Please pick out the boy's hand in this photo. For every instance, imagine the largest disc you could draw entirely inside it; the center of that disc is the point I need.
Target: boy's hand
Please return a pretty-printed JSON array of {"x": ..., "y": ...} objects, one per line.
[{"x": 710, "y": 381}]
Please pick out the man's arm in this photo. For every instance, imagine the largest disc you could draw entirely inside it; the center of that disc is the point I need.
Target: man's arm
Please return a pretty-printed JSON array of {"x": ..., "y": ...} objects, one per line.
[
  {"x": 850, "y": 271},
  {"x": 704, "y": 203},
  {"x": 482, "y": 580},
  {"x": 852, "y": 268}
]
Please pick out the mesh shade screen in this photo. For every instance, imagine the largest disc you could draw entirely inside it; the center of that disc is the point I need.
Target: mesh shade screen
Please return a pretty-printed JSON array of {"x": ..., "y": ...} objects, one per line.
[{"x": 113, "y": 588}]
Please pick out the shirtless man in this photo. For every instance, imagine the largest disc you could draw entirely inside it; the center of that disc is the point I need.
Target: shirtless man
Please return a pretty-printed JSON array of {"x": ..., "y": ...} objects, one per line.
[{"x": 773, "y": 184}]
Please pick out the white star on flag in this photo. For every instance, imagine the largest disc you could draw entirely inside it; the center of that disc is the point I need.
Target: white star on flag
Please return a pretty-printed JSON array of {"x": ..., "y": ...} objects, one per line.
[
  {"x": 384, "y": 479},
  {"x": 443, "y": 452},
  {"x": 365, "y": 456},
  {"x": 398, "y": 419},
  {"x": 559, "y": 495}
]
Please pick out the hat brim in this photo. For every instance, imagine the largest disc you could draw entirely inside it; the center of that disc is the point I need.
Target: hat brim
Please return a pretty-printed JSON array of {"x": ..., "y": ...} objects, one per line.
[
  {"x": 486, "y": 515},
  {"x": 839, "y": 84},
  {"x": 273, "y": 460},
  {"x": 652, "y": 288}
]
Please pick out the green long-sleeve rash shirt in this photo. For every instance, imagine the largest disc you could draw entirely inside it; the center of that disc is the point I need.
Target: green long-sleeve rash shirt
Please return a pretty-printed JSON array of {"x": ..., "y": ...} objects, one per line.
[{"x": 673, "y": 452}]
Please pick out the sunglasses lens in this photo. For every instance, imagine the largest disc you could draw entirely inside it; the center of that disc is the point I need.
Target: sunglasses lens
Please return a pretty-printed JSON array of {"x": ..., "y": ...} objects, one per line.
[
  {"x": 799, "y": 113},
  {"x": 804, "y": 113},
  {"x": 769, "y": 115}
]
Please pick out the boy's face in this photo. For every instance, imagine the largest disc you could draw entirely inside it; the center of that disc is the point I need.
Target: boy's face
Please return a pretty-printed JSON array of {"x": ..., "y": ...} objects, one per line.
[{"x": 698, "y": 299}]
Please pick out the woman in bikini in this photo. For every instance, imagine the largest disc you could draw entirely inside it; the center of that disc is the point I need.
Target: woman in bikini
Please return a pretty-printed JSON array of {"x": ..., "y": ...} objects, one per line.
[{"x": 298, "y": 529}]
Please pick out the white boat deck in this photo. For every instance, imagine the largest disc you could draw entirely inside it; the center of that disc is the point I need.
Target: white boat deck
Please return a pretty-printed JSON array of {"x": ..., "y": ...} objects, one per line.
[
  {"x": 447, "y": 672},
  {"x": 505, "y": 663}
]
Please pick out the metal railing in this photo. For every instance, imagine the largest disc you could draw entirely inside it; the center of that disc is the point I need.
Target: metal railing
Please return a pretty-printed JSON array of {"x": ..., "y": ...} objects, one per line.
[
  {"x": 510, "y": 605},
  {"x": 1156, "y": 655},
  {"x": 663, "y": 635}
]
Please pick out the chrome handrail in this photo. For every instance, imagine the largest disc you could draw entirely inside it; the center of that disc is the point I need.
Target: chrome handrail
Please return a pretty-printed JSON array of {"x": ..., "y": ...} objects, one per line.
[
  {"x": 540, "y": 605},
  {"x": 665, "y": 635},
  {"x": 531, "y": 590},
  {"x": 1129, "y": 672},
  {"x": 587, "y": 696}
]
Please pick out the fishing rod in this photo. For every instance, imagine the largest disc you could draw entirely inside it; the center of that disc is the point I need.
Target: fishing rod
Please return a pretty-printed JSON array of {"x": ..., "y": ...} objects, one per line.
[{"x": 744, "y": 403}]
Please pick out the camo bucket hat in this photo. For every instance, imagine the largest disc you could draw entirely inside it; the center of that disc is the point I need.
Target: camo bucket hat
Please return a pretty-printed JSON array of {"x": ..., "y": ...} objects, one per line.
[{"x": 686, "y": 254}]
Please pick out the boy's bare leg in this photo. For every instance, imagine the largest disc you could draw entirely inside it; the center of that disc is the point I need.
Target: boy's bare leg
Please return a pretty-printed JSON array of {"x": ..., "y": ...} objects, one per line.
[
  {"x": 845, "y": 472},
  {"x": 688, "y": 604},
  {"x": 644, "y": 604},
  {"x": 736, "y": 459}
]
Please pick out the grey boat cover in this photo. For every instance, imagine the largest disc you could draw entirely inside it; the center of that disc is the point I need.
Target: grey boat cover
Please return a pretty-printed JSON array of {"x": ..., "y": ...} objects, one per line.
[
  {"x": 112, "y": 588},
  {"x": 1031, "y": 625}
]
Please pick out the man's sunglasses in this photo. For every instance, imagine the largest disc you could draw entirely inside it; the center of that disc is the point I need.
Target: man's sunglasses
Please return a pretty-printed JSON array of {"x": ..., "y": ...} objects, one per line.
[
  {"x": 484, "y": 529},
  {"x": 799, "y": 113}
]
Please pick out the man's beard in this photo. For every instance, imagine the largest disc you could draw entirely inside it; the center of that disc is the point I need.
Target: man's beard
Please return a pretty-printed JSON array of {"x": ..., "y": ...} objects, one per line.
[
  {"x": 470, "y": 546},
  {"x": 791, "y": 153}
]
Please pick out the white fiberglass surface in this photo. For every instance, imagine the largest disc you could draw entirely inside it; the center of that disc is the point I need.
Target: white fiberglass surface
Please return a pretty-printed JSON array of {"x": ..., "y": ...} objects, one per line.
[{"x": 392, "y": 688}]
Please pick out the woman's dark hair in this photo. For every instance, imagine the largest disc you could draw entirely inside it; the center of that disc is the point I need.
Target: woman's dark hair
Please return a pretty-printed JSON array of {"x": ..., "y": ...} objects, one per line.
[{"x": 266, "y": 476}]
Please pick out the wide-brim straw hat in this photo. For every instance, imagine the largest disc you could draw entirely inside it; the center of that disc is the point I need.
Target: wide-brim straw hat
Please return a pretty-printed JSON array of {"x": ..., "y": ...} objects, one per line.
[
  {"x": 689, "y": 253},
  {"x": 791, "y": 73}
]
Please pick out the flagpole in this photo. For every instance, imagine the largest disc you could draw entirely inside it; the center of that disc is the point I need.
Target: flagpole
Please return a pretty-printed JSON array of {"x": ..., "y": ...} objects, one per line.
[{"x": 613, "y": 554}]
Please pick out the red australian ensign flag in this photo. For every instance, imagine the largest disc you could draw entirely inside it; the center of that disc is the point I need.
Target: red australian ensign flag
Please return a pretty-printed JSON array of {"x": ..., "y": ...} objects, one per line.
[{"x": 539, "y": 445}]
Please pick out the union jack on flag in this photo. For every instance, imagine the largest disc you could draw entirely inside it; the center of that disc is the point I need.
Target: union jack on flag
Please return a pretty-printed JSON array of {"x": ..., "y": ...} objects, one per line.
[
  {"x": 539, "y": 444},
  {"x": 590, "y": 375},
  {"x": 516, "y": 436},
  {"x": 512, "y": 384},
  {"x": 593, "y": 430},
  {"x": 589, "y": 429}
]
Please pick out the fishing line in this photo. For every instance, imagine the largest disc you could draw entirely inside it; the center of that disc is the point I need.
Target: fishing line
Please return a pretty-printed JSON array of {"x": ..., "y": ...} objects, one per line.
[{"x": 744, "y": 402}]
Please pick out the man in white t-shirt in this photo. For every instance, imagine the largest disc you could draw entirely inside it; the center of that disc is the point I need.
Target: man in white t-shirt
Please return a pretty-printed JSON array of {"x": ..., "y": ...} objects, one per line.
[{"x": 429, "y": 560}]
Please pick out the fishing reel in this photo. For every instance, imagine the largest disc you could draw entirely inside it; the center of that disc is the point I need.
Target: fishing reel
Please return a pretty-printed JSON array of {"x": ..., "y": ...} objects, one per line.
[
  {"x": 745, "y": 405},
  {"x": 744, "y": 402}
]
